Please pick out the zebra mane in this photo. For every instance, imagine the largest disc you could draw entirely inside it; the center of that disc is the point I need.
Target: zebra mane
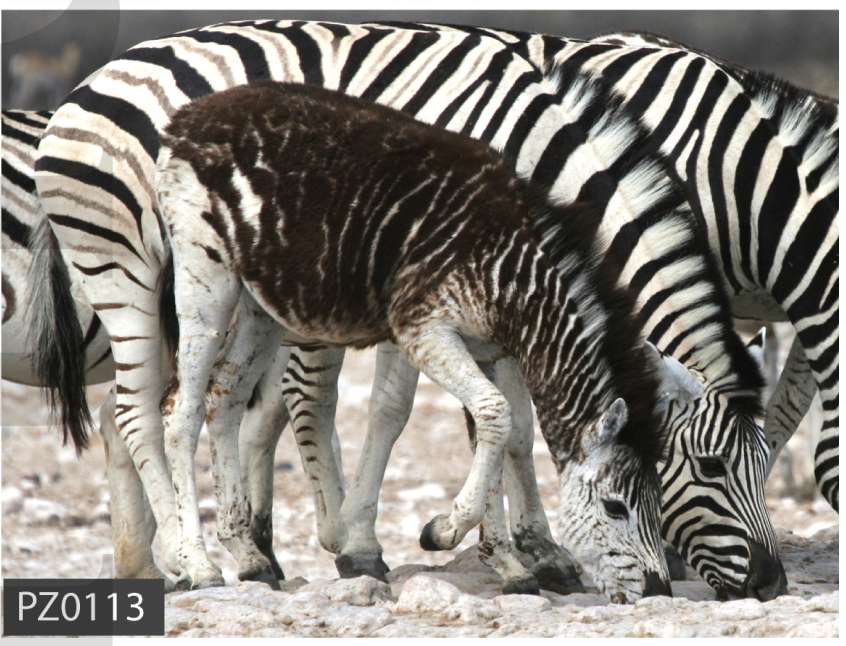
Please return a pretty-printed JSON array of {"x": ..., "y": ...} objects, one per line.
[
  {"x": 802, "y": 118},
  {"x": 662, "y": 199},
  {"x": 568, "y": 237}
]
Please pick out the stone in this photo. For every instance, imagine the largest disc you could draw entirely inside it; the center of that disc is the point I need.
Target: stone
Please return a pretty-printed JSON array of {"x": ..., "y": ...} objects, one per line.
[
  {"x": 360, "y": 591},
  {"x": 12, "y": 500},
  {"x": 522, "y": 603},
  {"x": 740, "y": 610},
  {"x": 425, "y": 594}
]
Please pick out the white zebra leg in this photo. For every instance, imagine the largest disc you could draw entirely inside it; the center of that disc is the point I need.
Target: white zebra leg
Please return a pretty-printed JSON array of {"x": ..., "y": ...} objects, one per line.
[
  {"x": 790, "y": 401},
  {"x": 247, "y": 353},
  {"x": 391, "y": 399},
  {"x": 133, "y": 525},
  {"x": 262, "y": 425},
  {"x": 553, "y": 566},
  {"x": 139, "y": 385},
  {"x": 438, "y": 351},
  {"x": 204, "y": 314},
  {"x": 310, "y": 389}
]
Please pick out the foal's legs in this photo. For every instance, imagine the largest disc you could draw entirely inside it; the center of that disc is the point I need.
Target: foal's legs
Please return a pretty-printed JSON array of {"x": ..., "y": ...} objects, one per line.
[
  {"x": 437, "y": 349},
  {"x": 553, "y": 567},
  {"x": 247, "y": 352},
  {"x": 205, "y": 308}
]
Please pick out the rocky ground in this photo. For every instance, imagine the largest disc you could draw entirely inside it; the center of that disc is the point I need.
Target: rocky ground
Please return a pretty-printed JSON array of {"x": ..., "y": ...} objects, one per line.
[{"x": 55, "y": 524}]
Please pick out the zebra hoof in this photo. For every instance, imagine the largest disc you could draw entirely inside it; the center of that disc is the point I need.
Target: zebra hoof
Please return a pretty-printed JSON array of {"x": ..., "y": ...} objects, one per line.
[
  {"x": 266, "y": 575},
  {"x": 675, "y": 563},
  {"x": 555, "y": 579},
  {"x": 431, "y": 538},
  {"x": 523, "y": 585},
  {"x": 350, "y": 566}
]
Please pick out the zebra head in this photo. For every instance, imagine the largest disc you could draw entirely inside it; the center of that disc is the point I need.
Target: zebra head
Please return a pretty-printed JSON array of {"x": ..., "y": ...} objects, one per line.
[
  {"x": 609, "y": 515},
  {"x": 713, "y": 479}
]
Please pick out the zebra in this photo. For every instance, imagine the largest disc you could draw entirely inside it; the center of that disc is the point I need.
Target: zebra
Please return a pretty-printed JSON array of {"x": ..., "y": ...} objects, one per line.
[
  {"x": 132, "y": 527},
  {"x": 808, "y": 124},
  {"x": 99, "y": 190},
  {"x": 421, "y": 245},
  {"x": 778, "y": 125}
]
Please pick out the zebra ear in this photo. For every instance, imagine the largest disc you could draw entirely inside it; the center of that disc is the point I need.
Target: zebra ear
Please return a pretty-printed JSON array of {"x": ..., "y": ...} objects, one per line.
[
  {"x": 676, "y": 381},
  {"x": 612, "y": 422},
  {"x": 756, "y": 347}
]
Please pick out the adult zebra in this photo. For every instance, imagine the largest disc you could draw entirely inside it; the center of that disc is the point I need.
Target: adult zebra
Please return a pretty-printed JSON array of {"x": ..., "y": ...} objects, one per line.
[
  {"x": 784, "y": 168},
  {"x": 95, "y": 177},
  {"x": 800, "y": 282},
  {"x": 132, "y": 529}
]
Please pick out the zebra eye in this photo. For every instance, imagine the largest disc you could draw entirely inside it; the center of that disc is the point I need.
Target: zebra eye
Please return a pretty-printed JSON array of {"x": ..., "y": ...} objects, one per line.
[
  {"x": 712, "y": 467},
  {"x": 615, "y": 509}
]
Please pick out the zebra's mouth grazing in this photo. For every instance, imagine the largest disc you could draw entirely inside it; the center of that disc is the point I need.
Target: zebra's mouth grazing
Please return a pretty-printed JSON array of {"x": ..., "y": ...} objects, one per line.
[{"x": 766, "y": 580}]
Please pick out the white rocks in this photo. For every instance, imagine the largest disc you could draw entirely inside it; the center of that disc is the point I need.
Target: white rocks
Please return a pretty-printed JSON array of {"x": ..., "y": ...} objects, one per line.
[
  {"x": 360, "y": 591},
  {"x": 12, "y": 500},
  {"x": 423, "y": 593},
  {"x": 743, "y": 610},
  {"x": 520, "y": 603},
  {"x": 37, "y": 511}
]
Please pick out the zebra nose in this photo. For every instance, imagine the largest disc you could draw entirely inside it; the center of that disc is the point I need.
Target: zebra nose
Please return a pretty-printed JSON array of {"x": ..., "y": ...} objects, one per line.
[
  {"x": 654, "y": 585},
  {"x": 766, "y": 579}
]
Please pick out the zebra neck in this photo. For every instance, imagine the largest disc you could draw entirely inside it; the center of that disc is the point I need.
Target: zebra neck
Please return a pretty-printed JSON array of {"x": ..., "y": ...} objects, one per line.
[{"x": 551, "y": 321}]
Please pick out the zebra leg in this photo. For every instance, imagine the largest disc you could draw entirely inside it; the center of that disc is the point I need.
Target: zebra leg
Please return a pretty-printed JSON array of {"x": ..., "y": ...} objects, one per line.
[
  {"x": 820, "y": 341},
  {"x": 247, "y": 352},
  {"x": 262, "y": 425},
  {"x": 495, "y": 547},
  {"x": 204, "y": 315},
  {"x": 437, "y": 350},
  {"x": 310, "y": 389},
  {"x": 133, "y": 525},
  {"x": 391, "y": 399},
  {"x": 789, "y": 402},
  {"x": 553, "y": 566}
]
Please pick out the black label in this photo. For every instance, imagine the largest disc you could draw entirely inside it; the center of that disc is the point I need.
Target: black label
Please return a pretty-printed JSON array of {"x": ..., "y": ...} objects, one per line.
[{"x": 83, "y": 607}]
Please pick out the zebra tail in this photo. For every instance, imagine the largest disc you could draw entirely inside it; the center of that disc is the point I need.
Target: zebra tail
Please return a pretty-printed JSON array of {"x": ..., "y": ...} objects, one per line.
[
  {"x": 167, "y": 307},
  {"x": 56, "y": 337}
]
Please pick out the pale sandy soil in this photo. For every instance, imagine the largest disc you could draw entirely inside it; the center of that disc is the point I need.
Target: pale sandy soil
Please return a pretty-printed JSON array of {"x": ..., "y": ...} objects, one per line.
[{"x": 56, "y": 525}]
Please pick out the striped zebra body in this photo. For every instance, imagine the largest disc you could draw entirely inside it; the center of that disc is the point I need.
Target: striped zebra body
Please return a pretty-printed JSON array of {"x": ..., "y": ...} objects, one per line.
[
  {"x": 762, "y": 157},
  {"x": 786, "y": 176},
  {"x": 131, "y": 520},
  {"x": 430, "y": 243},
  {"x": 95, "y": 176},
  {"x": 22, "y": 216}
]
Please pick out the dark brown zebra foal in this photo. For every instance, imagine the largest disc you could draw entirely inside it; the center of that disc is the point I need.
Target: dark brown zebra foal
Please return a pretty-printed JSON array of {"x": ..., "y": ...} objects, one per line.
[{"x": 349, "y": 224}]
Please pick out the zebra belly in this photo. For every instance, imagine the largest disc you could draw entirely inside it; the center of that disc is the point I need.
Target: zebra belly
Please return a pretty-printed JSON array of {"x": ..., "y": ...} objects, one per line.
[{"x": 334, "y": 326}]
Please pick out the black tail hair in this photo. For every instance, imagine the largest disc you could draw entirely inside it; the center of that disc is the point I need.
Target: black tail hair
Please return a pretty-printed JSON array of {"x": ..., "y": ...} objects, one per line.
[
  {"x": 56, "y": 337},
  {"x": 167, "y": 307}
]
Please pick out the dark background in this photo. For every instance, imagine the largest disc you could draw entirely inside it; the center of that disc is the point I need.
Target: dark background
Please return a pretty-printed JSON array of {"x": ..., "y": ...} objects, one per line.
[{"x": 40, "y": 65}]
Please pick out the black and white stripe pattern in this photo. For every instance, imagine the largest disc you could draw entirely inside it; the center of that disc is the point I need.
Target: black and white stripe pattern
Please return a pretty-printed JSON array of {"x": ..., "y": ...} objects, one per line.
[{"x": 98, "y": 188}]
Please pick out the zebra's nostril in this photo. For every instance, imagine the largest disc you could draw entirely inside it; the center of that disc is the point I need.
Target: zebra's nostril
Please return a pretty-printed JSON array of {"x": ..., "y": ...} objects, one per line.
[
  {"x": 767, "y": 579},
  {"x": 654, "y": 585}
]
